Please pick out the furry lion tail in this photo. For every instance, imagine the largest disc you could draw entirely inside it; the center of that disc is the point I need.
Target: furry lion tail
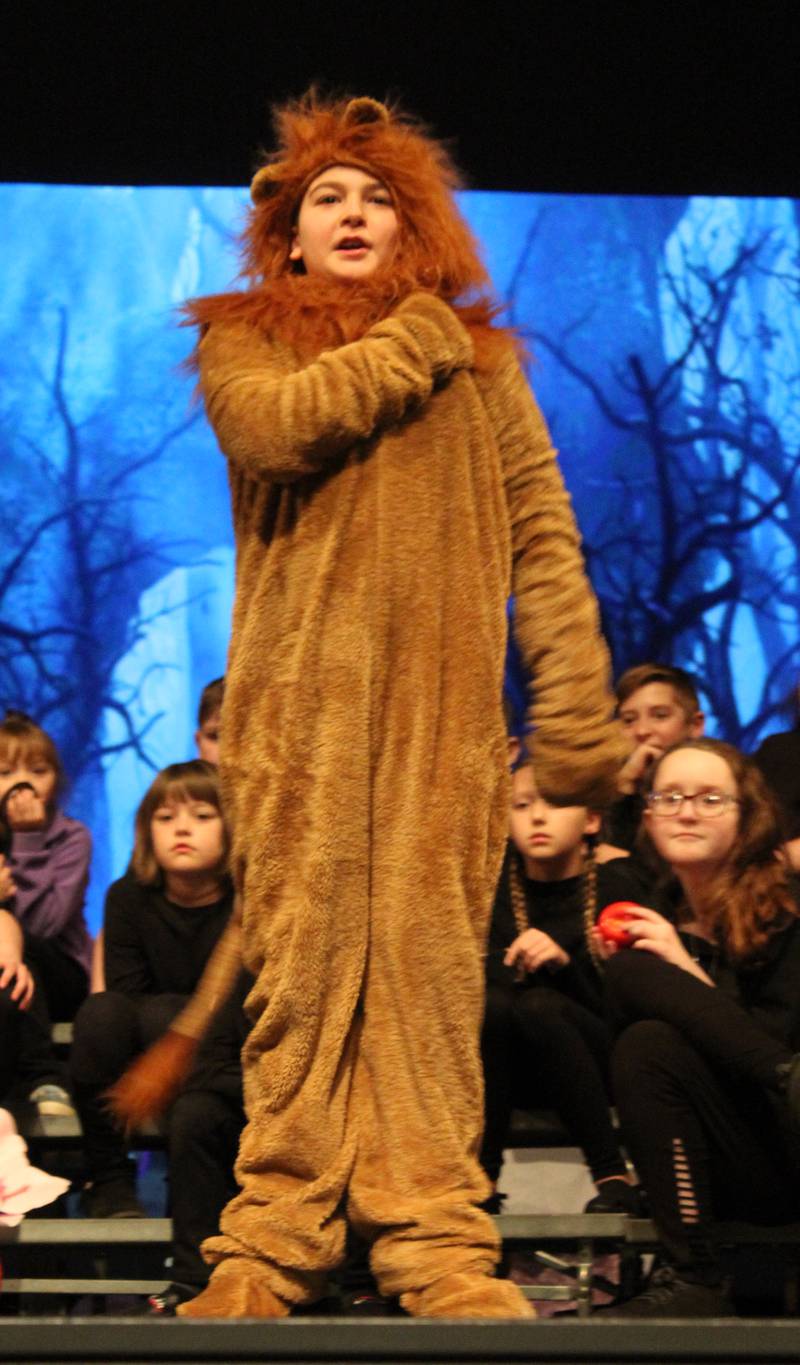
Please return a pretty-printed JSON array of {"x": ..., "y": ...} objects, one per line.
[{"x": 145, "y": 1090}]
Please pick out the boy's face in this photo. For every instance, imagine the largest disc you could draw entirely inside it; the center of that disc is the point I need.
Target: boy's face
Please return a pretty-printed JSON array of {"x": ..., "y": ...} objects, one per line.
[
  {"x": 653, "y": 715},
  {"x": 347, "y": 225},
  {"x": 207, "y": 738}
]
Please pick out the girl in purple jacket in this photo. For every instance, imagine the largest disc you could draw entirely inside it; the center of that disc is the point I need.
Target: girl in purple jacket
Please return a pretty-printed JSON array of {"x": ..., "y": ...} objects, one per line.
[{"x": 44, "y": 870}]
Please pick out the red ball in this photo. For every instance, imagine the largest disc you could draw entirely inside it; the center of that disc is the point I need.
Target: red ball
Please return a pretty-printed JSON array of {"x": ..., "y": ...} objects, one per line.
[{"x": 612, "y": 922}]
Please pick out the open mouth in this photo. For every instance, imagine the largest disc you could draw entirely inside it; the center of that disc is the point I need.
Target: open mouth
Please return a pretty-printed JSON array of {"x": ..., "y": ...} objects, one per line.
[{"x": 352, "y": 244}]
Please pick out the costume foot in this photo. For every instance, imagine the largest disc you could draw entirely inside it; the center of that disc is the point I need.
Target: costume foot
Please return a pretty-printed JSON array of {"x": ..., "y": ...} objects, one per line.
[
  {"x": 468, "y": 1294},
  {"x": 237, "y": 1292}
]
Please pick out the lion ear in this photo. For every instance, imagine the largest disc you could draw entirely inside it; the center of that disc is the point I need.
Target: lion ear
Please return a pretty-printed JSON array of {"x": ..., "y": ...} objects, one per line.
[
  {"x": 267, "y": 181},
  {"x": 365, "y": 110}
]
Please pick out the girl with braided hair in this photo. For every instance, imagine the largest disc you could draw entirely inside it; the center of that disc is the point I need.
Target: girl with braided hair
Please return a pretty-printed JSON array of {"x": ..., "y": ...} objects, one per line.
[
  {"x": 392, "y": 482},
  {"x": 544, "y": 1040}
]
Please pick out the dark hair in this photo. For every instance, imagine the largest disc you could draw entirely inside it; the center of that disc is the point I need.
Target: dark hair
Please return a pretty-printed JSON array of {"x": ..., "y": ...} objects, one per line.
[
  {"x": 192, "y": 781},
  {"x": 751, "y": 895},
  {"x": 22, "y": 738},
  {"x": 681, "y": 682},
  {"x": 210, "y": 700}
]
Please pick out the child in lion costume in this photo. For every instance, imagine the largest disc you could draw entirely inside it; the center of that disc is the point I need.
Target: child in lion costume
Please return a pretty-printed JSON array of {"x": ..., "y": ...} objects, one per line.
[{"x": 392, "y": 483}]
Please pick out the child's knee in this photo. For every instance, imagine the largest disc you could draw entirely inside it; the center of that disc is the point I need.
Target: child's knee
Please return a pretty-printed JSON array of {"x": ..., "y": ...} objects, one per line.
[{"x": 104, "y": 1037}]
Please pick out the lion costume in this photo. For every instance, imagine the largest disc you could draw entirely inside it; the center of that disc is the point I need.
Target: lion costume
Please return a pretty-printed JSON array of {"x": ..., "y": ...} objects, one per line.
[{"x": 392, "y": 483}]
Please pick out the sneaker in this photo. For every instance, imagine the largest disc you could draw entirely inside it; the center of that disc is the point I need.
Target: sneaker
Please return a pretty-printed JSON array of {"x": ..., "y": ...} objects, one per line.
[
  {"x": 112, "y": 1199},
  {"x": 163, "y": 1305},
  {"x": 618, "y": 1196},
  {"x": 53, "y": 1101},
  {"x": 668, "y": 1296}
]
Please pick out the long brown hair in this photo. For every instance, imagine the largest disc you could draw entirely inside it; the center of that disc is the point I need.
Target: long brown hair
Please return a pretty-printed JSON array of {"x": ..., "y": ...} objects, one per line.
[
  {"x": 192, "y": 781},
  {"x": 749, "y": 896}
]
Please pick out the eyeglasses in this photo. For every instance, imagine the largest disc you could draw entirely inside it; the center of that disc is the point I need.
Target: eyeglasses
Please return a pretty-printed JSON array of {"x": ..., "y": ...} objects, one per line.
[{"x": 707, "y": 805}]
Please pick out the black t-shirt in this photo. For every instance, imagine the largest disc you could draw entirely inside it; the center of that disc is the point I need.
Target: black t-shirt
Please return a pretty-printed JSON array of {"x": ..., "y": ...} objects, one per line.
[
  {"x": 153, "y": 946},
  {"x": 557, "y": 908},
  {"x": 622, "y": 821}
]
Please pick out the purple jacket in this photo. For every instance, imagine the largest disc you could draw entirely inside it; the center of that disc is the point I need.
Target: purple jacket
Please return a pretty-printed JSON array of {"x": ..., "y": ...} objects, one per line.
[{"x": 51, "y": 871}]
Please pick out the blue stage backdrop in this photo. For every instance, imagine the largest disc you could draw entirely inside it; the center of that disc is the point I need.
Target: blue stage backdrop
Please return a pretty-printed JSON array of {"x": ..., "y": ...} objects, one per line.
[{"x": 665, "y": 345}]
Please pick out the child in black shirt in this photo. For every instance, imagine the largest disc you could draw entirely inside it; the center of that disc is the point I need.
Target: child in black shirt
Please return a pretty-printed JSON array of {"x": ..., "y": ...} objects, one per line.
[{"x": 544, "y": 1039}]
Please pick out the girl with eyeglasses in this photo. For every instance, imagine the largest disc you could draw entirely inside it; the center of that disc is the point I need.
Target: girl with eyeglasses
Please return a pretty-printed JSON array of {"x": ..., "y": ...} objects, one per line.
[{"x": 705, "y": 1071}]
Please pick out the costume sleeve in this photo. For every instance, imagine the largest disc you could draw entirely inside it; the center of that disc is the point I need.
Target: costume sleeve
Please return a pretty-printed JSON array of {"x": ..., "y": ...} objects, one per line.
[
  {"x": 51, "y": 873},
  {"x": 280, "y": 425},
  {"x": 126, "y": 960},
  {"x": 575, "y": 743}
]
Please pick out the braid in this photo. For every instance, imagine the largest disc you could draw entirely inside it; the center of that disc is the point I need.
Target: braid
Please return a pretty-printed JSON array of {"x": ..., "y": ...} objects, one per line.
[
  {"x": 519, "y": 905},
  {"x": 589, "y": 888}
]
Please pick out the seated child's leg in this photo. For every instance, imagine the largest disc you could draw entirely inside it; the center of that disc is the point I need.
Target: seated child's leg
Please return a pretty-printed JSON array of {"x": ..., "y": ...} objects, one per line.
[
  {"x": 204, "y": 1131},
  {"x": 63, "y": 983},
  {"x": 499, "y": 1060},
  {"x": 642, "y": 986},
  {"x": 704, "y": 1146},
  {"x": 106, "y": 1038},
  {"x": 564, "y": 1049},
  {"x": 10, "y": 1018}
]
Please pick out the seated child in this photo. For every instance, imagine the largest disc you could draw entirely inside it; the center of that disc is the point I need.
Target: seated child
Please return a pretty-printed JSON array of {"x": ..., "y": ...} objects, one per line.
[
  {"x": 16, "y": 988},
  {"x": 657, "y": 705},
  {"x": 778, "y": 757},
  {"x": 162, "y": 920},
  {"x": 207, "y": 740},
  {"x": 209, "y": 716},
  {"x": 708, "y": 998},
  {"x": 544, "y": 1039},
  {"x": 46, "y": 870}
]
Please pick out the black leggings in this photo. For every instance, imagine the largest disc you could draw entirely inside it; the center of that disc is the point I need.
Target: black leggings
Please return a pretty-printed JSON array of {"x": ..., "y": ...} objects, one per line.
[
  {"x": 27, "y": 1058},
  {"x": 694, "y": 1082},
  {"x": 540, "y": 1048},
  {"x": 203, "y": 1124}
]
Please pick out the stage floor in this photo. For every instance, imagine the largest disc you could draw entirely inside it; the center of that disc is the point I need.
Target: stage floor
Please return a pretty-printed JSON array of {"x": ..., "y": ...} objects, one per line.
[{"x": 50, "y": 1341}]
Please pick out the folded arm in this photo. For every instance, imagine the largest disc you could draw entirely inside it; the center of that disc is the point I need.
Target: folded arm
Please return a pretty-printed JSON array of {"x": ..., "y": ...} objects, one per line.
[{"x": 281, "y": 425}]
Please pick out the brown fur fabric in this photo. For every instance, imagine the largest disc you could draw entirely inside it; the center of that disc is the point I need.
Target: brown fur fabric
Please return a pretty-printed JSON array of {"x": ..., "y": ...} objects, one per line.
[{"x": 388, "y": 493}]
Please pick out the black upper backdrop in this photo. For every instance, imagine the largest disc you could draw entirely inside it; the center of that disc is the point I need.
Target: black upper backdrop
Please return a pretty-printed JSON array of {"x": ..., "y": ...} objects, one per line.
[{"x": 614, "y": 96}]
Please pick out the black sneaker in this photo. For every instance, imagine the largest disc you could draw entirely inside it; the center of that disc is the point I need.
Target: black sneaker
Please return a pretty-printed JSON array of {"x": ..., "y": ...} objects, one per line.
[
  {"x": 618, "y": 1196},
  {"x": 112, "y": 1199},
  {"x": 668, "y": 1296}
]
